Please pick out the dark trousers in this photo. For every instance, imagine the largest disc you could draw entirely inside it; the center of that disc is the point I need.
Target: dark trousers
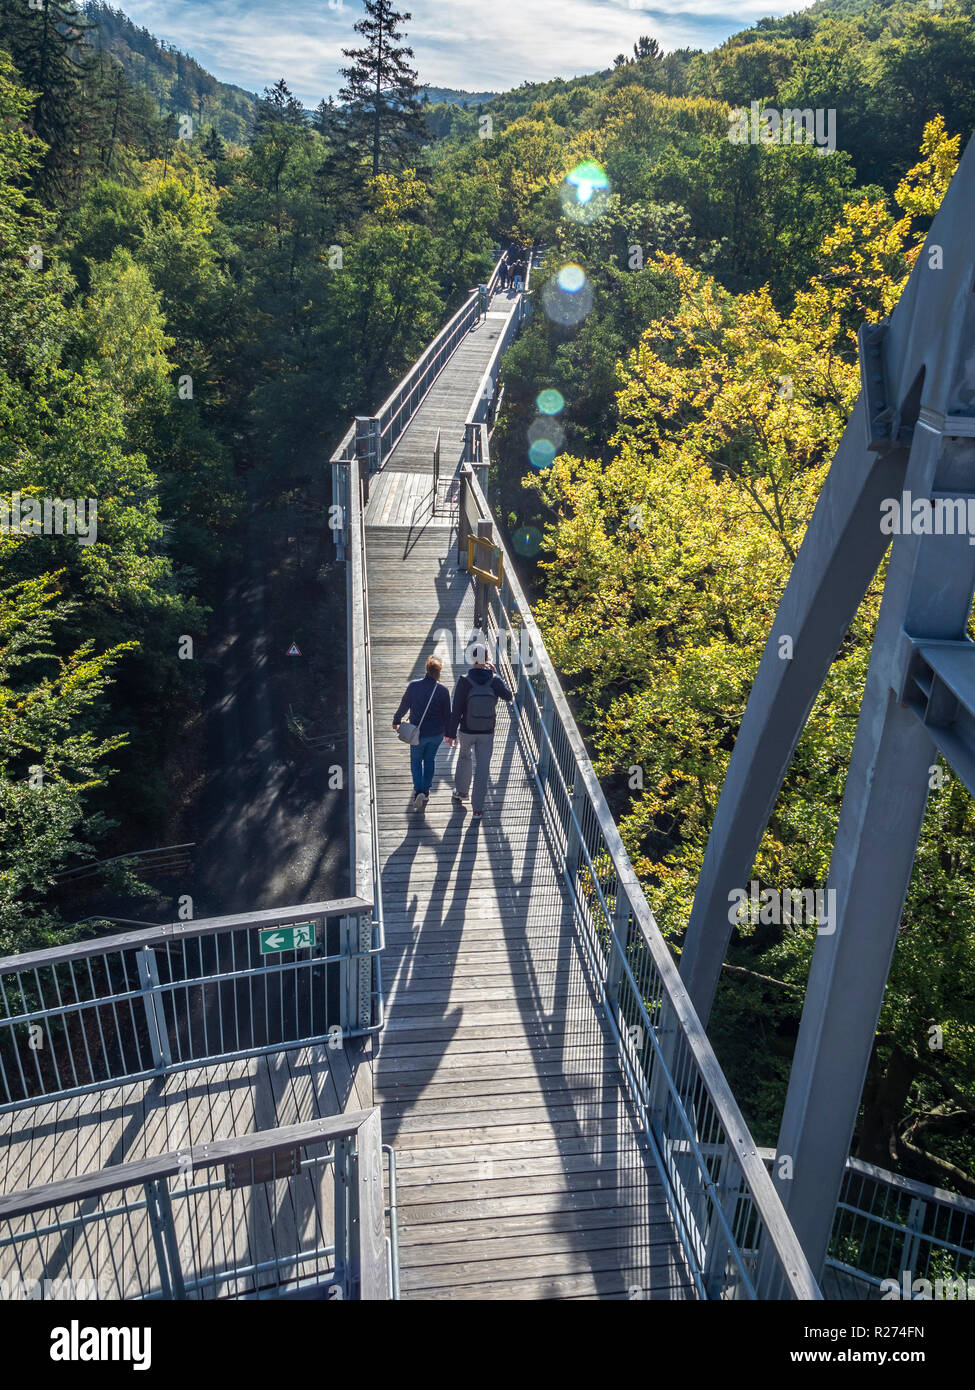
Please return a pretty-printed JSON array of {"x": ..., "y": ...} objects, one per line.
[{"x": 423, "y": 761}]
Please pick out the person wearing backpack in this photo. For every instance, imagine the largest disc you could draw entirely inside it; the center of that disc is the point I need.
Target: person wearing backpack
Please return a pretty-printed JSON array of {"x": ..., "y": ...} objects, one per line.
[
  {"x": 473, "y": 716},
  {"x": 429, "y": 706}
]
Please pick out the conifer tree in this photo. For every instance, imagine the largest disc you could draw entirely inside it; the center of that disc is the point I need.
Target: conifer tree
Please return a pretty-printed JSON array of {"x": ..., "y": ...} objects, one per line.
[
  {"x": 49, "y": 51},
  {"x": 384, "y": 116}
]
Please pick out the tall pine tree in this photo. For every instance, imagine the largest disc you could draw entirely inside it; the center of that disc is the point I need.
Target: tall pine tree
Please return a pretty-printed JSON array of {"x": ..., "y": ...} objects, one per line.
[
  {"x": 384, "y": 117},
  {"x": 48, "y": 48}
]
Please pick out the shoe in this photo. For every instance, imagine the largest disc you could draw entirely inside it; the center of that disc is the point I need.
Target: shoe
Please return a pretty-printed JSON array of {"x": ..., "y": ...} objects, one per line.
[
  {"x": 477, "y": 815},
  {"x": 459, "y": 800},
  {"x": 419, "y": 801}
]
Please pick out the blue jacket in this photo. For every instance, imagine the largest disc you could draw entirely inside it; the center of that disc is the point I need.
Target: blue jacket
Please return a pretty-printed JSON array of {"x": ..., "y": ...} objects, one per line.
[
  {"x": 477, "y": 675},
  {"x": 415, "y": 700}
]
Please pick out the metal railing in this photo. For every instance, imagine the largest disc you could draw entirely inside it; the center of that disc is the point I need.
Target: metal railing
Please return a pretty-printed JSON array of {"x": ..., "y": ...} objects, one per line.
[
  {"x": 80, "y": 1017},
  {"x": 732, "y": 1226},
  {"x": 407, "y": 396},
  {"x": 487, "y": 401},
  {"x": 348, "y": 528},
  {"x": 163, "y": 858},
  {"x": 893, "y": 1228},
  {"x": 292, "y": 1211},
  {"x": 887, "y": 1226}
]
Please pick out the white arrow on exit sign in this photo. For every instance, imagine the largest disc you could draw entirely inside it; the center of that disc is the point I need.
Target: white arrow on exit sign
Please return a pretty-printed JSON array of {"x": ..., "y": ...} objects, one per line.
[{"x": 297, "y": 938}]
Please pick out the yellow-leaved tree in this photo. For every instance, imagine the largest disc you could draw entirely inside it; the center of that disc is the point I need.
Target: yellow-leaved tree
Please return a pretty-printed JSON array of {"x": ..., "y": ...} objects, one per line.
[{"x": 665, "y": 569}]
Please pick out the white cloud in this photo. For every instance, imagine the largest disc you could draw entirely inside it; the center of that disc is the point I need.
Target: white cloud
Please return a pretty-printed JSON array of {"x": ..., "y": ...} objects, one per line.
[{"x": 458, "y": 43}]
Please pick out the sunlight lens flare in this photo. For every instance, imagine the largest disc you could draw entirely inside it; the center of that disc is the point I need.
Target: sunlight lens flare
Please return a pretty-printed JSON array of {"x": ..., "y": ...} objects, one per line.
[
  {"x": 550, "y": 402},
  {"x": 584, "y": 194},
  {"x": 527, "y": 541},
  {"x": 545, "y": 437},
  {"x": 567, "y": 297}
]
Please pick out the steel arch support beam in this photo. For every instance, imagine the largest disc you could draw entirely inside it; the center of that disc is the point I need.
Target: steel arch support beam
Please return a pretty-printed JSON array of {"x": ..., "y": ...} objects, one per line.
[
  {"x": 886, "y": 794},
  {"x": 929, "y": 591},
  {"x": 839, "y": 554}
]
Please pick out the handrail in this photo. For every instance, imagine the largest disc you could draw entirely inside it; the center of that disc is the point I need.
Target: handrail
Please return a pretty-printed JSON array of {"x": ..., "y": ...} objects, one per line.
[
  {"x": 116, "y": 1176},
  {"x": 363, "y": 818},
  {"x": 175, "y": 931},
  {"x": 146, "y": 858},
  {"x": 128, "y": 1007},
  {"x": 356, "y": 1262},
  {"x": 728, "y": 1209}
]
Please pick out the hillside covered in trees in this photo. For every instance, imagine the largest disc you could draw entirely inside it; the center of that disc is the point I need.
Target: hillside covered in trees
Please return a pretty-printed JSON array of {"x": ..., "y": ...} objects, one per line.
[
  {"x": 175, "y": 81},
  {"x": 185, "y": 327}
]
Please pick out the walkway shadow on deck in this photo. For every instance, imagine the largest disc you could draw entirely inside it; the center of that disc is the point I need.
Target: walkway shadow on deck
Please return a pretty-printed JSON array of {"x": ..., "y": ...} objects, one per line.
[{"x": 554, "y": 1015}]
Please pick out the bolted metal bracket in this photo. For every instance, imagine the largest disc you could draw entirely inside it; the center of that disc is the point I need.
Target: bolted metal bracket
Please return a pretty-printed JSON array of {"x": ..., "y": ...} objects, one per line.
[
  {"x": 938, "y": 686},
  {"x": 884, "y": 429}
]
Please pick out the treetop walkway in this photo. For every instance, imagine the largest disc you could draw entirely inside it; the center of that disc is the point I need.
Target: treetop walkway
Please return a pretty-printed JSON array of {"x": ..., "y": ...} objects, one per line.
[{"x": 202, "y": 1109}]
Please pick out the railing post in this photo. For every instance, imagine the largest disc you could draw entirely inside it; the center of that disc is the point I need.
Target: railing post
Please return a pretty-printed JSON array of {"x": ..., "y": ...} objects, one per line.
[
  {"x": 544, "y": 744},
  {"x": 155, "y": 1013},
  {"x": 485, "y": 531},
  {"x": 340, "y": 498},
  {"x": 436, "y": 471},
  {"x": 355, "y": 973},
  {"x": 368, "y": 449},
  {"x": 912, "y": 1238},
  {"x": 344, "y": 1272},
  {"x": 617, "y": 947},
  {"x": 348, "y": 975},
  {"x": 463, "y": 522},
  {"x": 370, "y": 1257},
  {"x": 573, "y": 830},
  {"x": 160, "y": 1210},
  {"x": 364, "y": 971},
  {"x": 727, "y": 1191}
]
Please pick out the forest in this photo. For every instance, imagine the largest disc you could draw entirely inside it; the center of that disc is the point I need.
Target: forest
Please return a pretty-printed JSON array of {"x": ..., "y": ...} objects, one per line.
[{"x": 188, "y": 317}]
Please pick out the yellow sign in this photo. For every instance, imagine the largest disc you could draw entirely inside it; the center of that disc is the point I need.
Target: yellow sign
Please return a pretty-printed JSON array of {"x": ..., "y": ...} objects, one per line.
[{"x": 488, "y": 576}]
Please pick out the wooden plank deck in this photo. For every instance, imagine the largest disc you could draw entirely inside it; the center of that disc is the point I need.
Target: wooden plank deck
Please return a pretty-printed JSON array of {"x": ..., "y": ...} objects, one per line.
[{"x": 522, "y": 1173}]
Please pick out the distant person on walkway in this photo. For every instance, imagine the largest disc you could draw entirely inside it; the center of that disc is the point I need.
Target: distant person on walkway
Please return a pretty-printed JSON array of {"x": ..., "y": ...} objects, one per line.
[
  {"x": 472, "y": 721},
  {"x": 503, "y": 275},
  {"x": 518, "y": 276},
  {"x": 429, "y": 708}
]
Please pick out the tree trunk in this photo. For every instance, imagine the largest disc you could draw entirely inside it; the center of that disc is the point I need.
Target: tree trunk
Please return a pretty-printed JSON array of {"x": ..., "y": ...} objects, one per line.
[
  {"x": 884, "y": 1101},
  {"x": 379, "y": 92}
]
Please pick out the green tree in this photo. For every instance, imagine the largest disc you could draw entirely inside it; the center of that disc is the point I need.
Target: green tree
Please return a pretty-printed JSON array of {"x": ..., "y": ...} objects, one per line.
[
  {"x": 50, "y": 760},
  {"x": 381, "y": 92}
]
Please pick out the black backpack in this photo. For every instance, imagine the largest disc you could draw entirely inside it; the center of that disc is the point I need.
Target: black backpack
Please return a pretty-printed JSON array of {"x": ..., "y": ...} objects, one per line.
[{"x": 480, "y": 715}]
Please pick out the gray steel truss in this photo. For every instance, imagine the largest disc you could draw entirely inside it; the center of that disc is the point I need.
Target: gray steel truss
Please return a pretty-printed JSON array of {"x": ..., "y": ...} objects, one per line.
[{"x": 912, "y": 430}]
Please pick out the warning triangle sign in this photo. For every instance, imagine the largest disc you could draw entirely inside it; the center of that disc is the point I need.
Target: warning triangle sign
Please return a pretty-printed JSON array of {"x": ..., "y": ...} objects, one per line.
[{"x": 293, "y": 650}]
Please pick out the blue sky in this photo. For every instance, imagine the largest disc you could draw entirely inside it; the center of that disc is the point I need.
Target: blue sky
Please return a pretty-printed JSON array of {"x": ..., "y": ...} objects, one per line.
[{"x": 475, "y": 44}]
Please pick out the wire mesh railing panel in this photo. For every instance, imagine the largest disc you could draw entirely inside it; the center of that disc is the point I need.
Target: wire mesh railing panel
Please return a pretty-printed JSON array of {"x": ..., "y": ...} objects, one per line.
[{"x": 891, "y": 1234}]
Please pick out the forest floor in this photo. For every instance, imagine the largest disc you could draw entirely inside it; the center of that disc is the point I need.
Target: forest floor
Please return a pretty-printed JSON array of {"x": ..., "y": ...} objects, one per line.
[{"x": 266, "y": 811}]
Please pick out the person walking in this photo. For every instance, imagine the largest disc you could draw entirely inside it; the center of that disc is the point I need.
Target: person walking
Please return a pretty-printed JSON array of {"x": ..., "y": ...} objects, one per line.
[
  {"x": 473, "y": 716},
  {"x": 429, "y": 708},
  {"x": 503, "y": 274}
]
